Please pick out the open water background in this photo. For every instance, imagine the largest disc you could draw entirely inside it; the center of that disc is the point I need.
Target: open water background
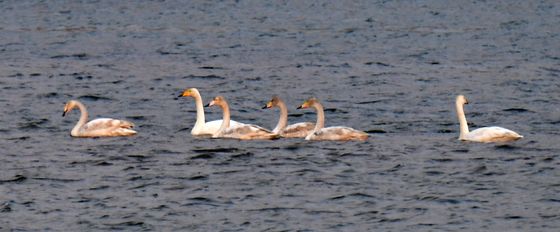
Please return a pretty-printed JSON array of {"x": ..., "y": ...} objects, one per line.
[{"x": 391, "y": 68}]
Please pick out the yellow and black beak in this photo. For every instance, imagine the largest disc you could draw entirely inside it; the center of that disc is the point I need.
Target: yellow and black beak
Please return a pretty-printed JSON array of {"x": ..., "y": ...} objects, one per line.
[{"x": 185, "y": 93}]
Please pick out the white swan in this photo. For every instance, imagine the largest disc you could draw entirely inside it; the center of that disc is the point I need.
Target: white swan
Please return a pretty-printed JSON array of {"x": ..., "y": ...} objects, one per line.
[
  {"x": 329, "y": 133},
  {"x": 241, "y": 131},
  {"x": 297, "y": 130},
  {"x": 201, "y": 127},
  {"x": 101, "y": 127},
  {"x": 485, "y": 134}
]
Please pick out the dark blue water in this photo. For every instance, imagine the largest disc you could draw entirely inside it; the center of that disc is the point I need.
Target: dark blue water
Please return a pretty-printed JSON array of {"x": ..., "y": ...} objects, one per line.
[{"x": 391, "y": 68}]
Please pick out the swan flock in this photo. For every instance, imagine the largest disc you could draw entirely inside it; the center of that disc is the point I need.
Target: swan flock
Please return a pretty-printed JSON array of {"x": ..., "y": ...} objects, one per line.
[{"x": 227, "y": 128}]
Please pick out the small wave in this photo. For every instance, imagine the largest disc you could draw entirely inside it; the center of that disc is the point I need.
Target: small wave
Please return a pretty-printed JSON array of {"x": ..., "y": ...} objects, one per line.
[
  {"x": 208, "y": 77},
  {"x": 56, "y": 179},
  {"x": 505, "y": 147},
  {"x": 433, "y": 173},
  {"x": 220, "y": 150},
  {"x": 203, "y": 156},
  {"x": 93, "y": 98},
  {"x": 144, "y": 185},
  {"x": 517, "y": 110},
  {"x": 244, "y": 155},
  {"x": 34, "y": 124},
  {"x": 79, "y": 56},
  {"x": 198, "y": 177},
  {"x": 16, "y": 179},
  {"x": 352, "y": 195}
]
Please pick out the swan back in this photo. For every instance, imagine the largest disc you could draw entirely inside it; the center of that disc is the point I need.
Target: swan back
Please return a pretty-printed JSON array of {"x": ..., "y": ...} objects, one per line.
[
  {"x": 247, "y": 132},
  {"x": 298, "y": 130},
  {"x": 106, "y": 127},
  {"x": 337, "y": 133},
  {"x": 492, "y": 134},
  {"x": 211, "y": 127}
]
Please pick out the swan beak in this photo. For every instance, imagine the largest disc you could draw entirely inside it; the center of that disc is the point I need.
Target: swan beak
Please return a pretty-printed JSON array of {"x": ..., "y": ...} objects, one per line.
[
  {"x": 268, "y": 105},
  {"x": 304, "y": 105},
  {"x": 210, "y": 104},
  {"x": 63, "y": 113},
  {"x": 186, "y": 93}
]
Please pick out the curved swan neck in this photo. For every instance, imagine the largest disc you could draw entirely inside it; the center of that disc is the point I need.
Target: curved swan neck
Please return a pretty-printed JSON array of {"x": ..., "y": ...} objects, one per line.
[
  {"x": 283, "y": 120},
  {"x": 83, "y": 119},
  {"x": 464, "y": 128},
  {"x": 200, "y": 120},
  {"x": 320, "y": 116},
  {"x": 225, "y": 121}
]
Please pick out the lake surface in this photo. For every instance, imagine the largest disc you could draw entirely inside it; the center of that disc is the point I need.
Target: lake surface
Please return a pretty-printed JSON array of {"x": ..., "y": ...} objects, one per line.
[{"x": 390, "y": 68}]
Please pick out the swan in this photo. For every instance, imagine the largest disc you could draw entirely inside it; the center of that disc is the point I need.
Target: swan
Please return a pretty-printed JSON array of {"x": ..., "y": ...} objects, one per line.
[
  {"x": 484, "y": 134},
  {"x": 101, "y": 127},
  {"x": 298, "y": 130},
  {"x": 201, "y": 127},
  {"x": 241, "y": 131},
  {"x": 329, "y": 133}
]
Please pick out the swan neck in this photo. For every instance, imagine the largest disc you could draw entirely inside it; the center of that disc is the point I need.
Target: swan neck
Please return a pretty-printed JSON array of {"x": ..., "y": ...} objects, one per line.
[
  {"x": 320, "y": 116},
  {"x": 200, "y": 120},
  {"x": 464, "y": 128},
  {"x": 283, "y": 120},
  {"x": 83, "y": 119},
  {"x": 225, "y": 121}
]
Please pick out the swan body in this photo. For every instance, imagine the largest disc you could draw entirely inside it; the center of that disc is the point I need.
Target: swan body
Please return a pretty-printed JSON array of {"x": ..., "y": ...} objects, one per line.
[
  {"x": 484, "y": 134},
  {"x": 101, "y": 127},
  {"x": 239, "y": 131},
  {"x": 297, "y": 130},
  {"x": 341, "y": 133},
  {"x": 201, "y": 127}
]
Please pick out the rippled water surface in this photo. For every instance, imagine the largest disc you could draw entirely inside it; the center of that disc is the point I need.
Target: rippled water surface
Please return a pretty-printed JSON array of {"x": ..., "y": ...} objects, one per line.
[{"x": 390, "y": 68}]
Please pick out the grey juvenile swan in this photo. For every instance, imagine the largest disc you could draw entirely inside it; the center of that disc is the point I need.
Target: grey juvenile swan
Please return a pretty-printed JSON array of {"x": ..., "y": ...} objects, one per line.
[
  {"x": 329, "y": 133},
  {"x": 297, "y": 130}
]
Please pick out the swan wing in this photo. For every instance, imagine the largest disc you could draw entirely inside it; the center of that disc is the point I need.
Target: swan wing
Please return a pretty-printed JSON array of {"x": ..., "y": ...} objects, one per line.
[
  {"x": 337, "y": 133},
  {"x": 248, "y": 132},
  {"x": 107, "y": 127},
  {"x": 298, "y": 130},
  {"x": 102, "y": 123},
  {"x": 212, "y": 127},
  {"x": 492, "y": 134}
]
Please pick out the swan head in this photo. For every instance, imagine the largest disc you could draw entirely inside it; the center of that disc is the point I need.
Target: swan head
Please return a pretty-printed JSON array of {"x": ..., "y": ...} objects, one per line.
[
  {"x": 461, "y": 100},
  {"x": 309, "y": 103},
  {"x": 69, "y": 106},
  {"x": 190, "y": 92},
  {"x": 272, "y": 103},
  {"x": 217, "y": 101}
]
